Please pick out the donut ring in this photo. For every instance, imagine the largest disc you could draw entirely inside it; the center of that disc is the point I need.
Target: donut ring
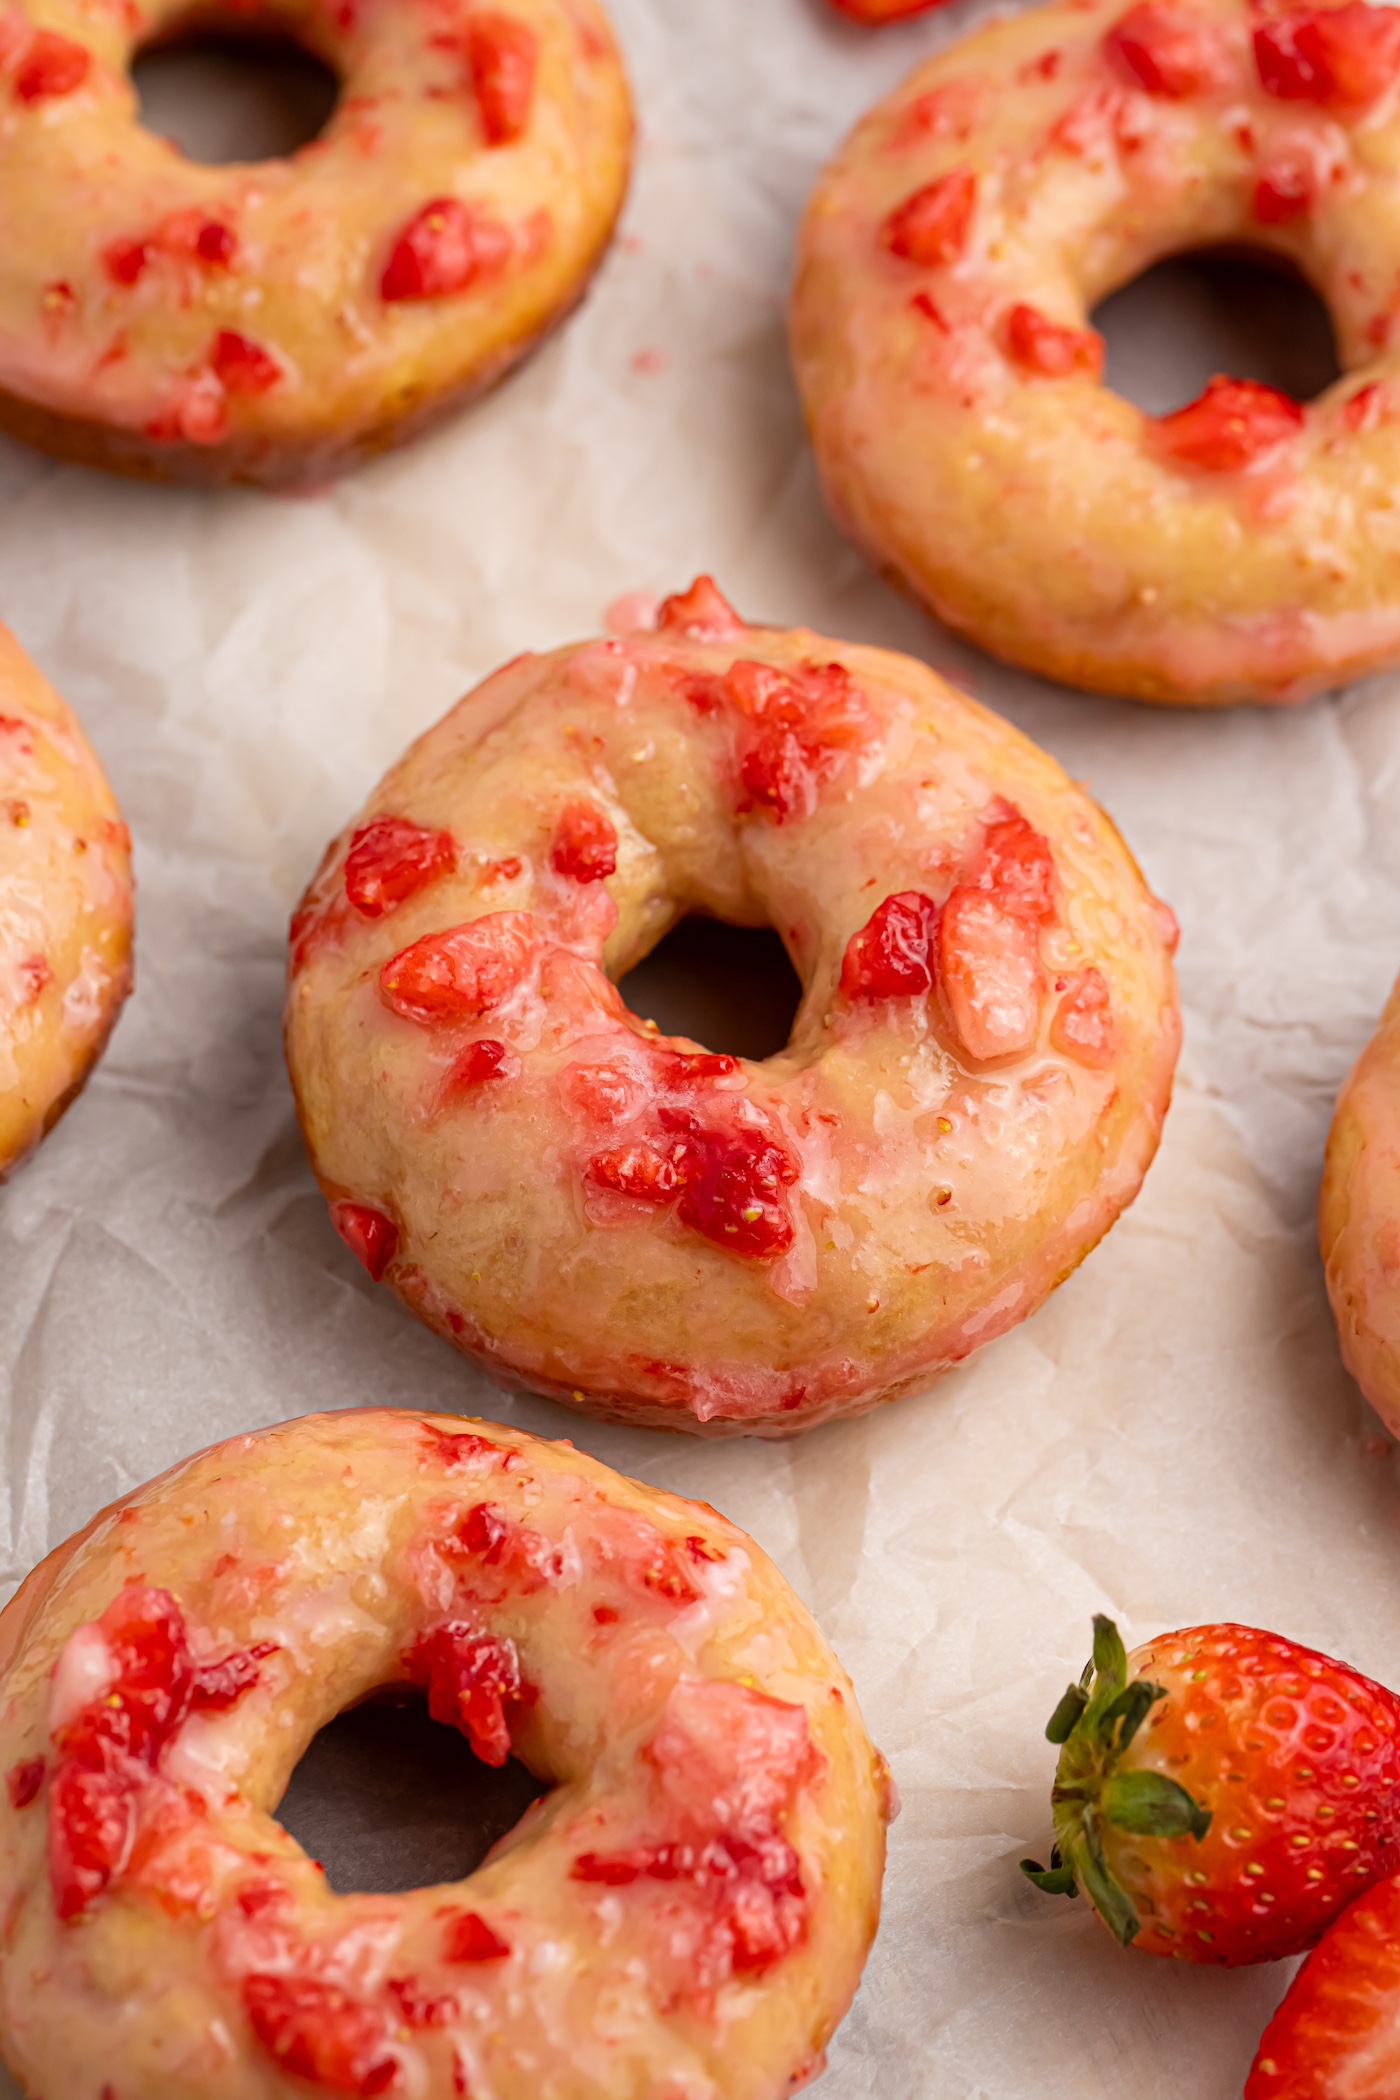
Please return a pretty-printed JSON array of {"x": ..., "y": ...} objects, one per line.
[
  {"x": 65, "y": 906},
  {"x": 1238, "y": 549},
  {"x": 1359, "y": 1218},
  {"x": 973, "y": 1088},
  {"x": 273, "y": 322},
  {"x": 686, "y": 1915}
]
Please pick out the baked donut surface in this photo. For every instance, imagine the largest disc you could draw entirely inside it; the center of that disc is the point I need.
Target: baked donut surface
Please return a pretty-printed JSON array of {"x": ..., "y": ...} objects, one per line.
[
  {"x": 1359, "y": 1218},
  {"x": 65, "y": 906},
  {"x": 973, "y": 1087},
  {"x": 1239, "y": 548},
  {"x": 685, "y": 1914},
  {"x": 272, "y": 322}
]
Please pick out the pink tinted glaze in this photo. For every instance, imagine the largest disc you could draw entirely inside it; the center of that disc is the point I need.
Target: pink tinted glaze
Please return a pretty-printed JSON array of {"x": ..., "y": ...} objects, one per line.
[
  {"x": 1238, "y": 549},
  {"x": 712, "y": 1850},
  {"x": 660, "y": 1233}
]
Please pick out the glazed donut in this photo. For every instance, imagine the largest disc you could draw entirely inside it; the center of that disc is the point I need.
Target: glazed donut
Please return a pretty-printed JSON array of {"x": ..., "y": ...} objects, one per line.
[
  {"x": 1237, "y": 549},
  {"x": 973, "y": 1088},
  {"x": 65, "y": 906},
  {"x": 1359, "y": 1218},
  {"x": 273, "y": 322},
  {"x": 685, "y": 1916}
]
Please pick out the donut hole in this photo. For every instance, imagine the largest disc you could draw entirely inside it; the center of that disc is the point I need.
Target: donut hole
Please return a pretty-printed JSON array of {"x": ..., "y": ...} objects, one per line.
[
  {"x": 1171, "y": 329},
  {"x": 222, "y": 96},
  {"x": 730, "y": 988},
  {"x": 388, "y": 1799}
]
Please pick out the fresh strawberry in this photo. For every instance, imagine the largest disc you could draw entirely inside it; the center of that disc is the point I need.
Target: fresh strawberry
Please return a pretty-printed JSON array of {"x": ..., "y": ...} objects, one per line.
[{"x": 1222, "y": 1793}]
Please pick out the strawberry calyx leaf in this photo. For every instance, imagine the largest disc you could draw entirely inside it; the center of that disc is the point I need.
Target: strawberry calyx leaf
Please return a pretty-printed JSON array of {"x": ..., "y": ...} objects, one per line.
[{"x": 1093, "y": 1724}]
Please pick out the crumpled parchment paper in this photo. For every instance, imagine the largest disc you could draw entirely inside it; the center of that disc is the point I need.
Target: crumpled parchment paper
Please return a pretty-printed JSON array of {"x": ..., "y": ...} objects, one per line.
[{"x": 1172, "y": 1439}]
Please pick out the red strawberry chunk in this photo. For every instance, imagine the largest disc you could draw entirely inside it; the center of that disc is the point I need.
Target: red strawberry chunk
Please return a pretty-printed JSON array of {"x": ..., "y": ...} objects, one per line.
[
  {"x": 892, "y": 955},
  {"x": 463, "y": 973},
  {"x": 317, "y": 2031},
  {"x": 470, "y": 1678},
  {"x": 1337, "y": 57},
  {"x": 52, "y": 65},
  {"x": 1165, "y": 50},
  {"x": 391, "y": 860},
  {"x": 1285, "y": 190},
  {"x": 23, "y": 1781},
  {"x": 92, "y": 1825},
  {"x": 585, "y": 844},
  {"x": 1083, "y": 1026},
  {"x": 701, "y": 614},
  {"x": 636, "y": 1170},
  {"x": 874, "y": 12},
  {"x": 124, "y": 260},
  {"x": 733, "y": 1192},
  {"x": 480, "y": 1063},
  {"x": 795, "y": 727},
  {"x": 1232, "y": 424},
  {"x": 1043, "y": 347},
  {"x": 445, "y": 247},
  {"x": 372, "y": 1238},
  {"x": 469, "y": 1938},
  {"x": 932, "y": 226},
  {"x": 1016, "y": 864},
  {"x": 502, "y": 56},
  {"x": 1337, "y": 2031},
  {"x": 216, "y": 244},
  {"x": 220, "y": 1685},
  {"x": 989, "y": 970},
  {"x": 241, "y": 365}
]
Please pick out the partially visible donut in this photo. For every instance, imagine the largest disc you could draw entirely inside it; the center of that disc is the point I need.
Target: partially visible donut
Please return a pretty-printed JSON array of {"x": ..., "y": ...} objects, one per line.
[
  {"x": 685, "y": 1916},
  {"x": 1359, "y": 1218},
  {"x": 273, "y": 322},
  {"x": 972, "y": 1092},
  {"x": 65, "y": 906},
  {"x": 1240, "y": 548}
]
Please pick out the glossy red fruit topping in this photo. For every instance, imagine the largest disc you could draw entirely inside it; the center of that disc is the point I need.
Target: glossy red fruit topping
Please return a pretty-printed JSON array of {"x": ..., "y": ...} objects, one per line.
[
  {"x": 1017, "y": 866},
  {"x": 216, "y": 244},
  {"x": 23, "y": 1781},
  {"x": 1166, "y": 50},
  {"x": 874, "y": 12},
  {"x": 892, "y": 955},
  {"x": 732, "y": 1190},
  {"x": 391, "y": 860},
  {"x": 1223, "y": 1793},
  {"x": 933, "y": 225},
  {"x": 1232, "y": 424},
  {"x": 463, "y": 973},
  {"x": 645, "y": 1171},
  {"x": 242, "y": 366},
  {"x": 372, "y": 1238},
  {"x": 758, "y": 1887},
  {"x": 501, "y": 57},
  {"x": 701, "y": 614},
  {"x": 446, "y": 247},
  {"x": 794, "y": 729},
  {"x": 52, "y": 65},
  {"x": 1043, "y": 347},
  {"x": 1336, "y": 2035},
  {"x": 471, "y": 1678},
  {"x": 124, "y": 260},
  {"x": 462, "y": 1451},
  {"x": 317, "y": 2031},
  {"x": 1083, "y": 1026},
  {"x": 478, "y": 1065},
  {"x": 1337, "y": 57},
  {"x": 469, "y": 1938},
  {"x": 585, "y": 844},
  {"x": 989, "y": 971},
  {"x": 92, "y": 1826},
  {"x": 1286, "y": 190}
]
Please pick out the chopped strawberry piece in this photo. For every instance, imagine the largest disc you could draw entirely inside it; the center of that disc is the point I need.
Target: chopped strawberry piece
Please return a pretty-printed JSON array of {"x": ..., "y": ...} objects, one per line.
[
  {"x": 463, "y": 973},
  {"x": 636, "y": 1170},
  {"x": 1166, "y": 50},
  {"x": 124, "y": 260},
  {"x": 1285, "y": 190},
  {"x": 391, "y": 860},
  {"x": 1045, "y": 348},
  {"x": 585, "y": 845},
  {"x": 470, "y": 1678},
  {"x": 220, "y": 1685},
  {"x": 52, "y": 65},
  {"x": 216, "y": 244},
  {"x": 932, "y": 226},
  {"x": 478, "y": 1065},
  {"x": 444, "y": 248},
  {"x": 421, "y": 2007},
  {"x": 733, "y": 1191},
  {"x": 1337, "y": 57},
  {"x": 470, "y": 1939},
  {"x": 1232, "y": 424},
  {"x": 153, "y": 1679},
  {"x": 701, "y": 614},
  {"x": 241, "y": 365},
  {"x": 796, "y": 726},
  {"x": 756, "y": 1889},
  {"x": 892, "y": 956},
  {"x": 1016, "y": 864},
  {"x": 502, "y": 55},
  {"x": 461, "y": 1451},
  {"x": 372, "y": 1238},
  {"x": 989, "y": 971},
  {"x": 1334, "y": 2033},
  {"x": 1083, "y": 1025},
  {"x": 23, "y": 1781},
  {"x": 92, "y": 1824},
  {"x": 875, "y": 12},
  {"x": 317, "y": 2031}
]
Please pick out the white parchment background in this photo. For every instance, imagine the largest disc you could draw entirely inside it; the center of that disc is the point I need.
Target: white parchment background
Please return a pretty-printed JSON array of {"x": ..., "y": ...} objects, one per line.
[{"x": 1172, "y": 1439}]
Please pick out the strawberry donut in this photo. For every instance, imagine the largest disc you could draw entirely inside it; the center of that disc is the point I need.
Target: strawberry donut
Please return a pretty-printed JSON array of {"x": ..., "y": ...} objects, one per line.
[
  {"x": 1359, "y": 1218},
  {"x": 65, "y": 906},
  {"x": 685, "y": 1916},
  {"x": 274, "y": 322},
  {"x": 1240, "y": 548},
  {"x": 973, "y": 1088}
]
